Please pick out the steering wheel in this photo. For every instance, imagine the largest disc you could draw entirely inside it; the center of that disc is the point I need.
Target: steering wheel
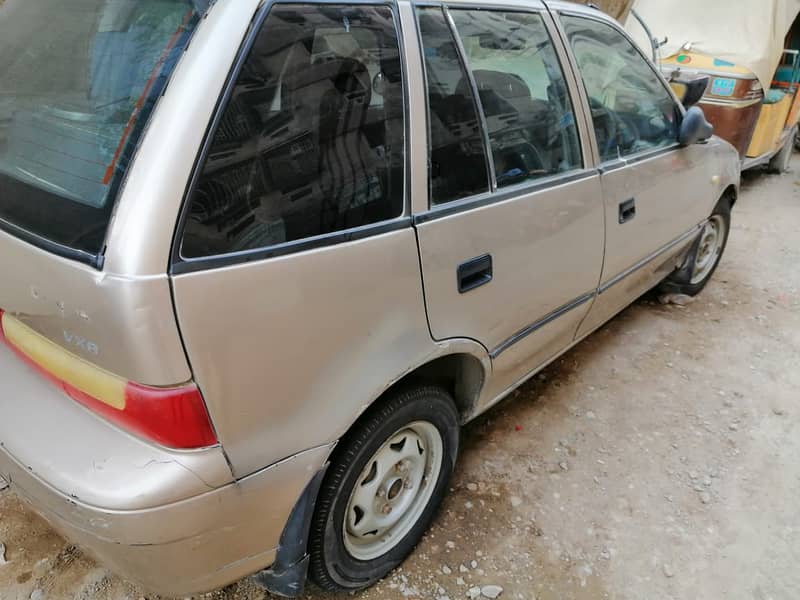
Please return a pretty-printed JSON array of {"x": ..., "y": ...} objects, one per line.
[{"x": 606, "y": 127}]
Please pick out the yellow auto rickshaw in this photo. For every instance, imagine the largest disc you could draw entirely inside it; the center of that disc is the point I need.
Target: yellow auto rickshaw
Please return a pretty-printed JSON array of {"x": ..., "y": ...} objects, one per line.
[{"x": 748, "y": 59}]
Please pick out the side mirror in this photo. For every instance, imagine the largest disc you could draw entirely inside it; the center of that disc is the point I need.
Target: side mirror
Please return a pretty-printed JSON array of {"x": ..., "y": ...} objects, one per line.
[
  {"x": 694, "y": 127},
  {"x": 689, "y": 91},
  {"x": 694, "y": 91}
]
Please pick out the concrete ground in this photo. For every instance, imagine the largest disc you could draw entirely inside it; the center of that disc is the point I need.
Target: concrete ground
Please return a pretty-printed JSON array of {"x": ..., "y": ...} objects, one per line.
[{"x": 658, "y": 459}]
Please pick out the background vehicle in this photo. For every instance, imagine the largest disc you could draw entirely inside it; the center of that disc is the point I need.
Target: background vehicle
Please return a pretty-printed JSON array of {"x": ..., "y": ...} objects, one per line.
[
  {"x": 750, "y": 56},
  {"x": 260, "y": 261}
]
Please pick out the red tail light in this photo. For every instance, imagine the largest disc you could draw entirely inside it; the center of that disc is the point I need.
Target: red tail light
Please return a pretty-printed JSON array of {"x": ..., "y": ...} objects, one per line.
[{"x": 175, "y": 416}]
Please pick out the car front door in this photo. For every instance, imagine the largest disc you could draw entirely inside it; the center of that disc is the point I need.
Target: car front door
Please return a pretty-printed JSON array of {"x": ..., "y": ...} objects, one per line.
[
  {"x": 511, "y": 234},
  {"x": 651, "y": 186}
]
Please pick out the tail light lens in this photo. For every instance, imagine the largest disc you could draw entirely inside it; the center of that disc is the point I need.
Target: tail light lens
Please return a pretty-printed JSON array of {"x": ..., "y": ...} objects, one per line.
[{"x": 174, "y": 416}]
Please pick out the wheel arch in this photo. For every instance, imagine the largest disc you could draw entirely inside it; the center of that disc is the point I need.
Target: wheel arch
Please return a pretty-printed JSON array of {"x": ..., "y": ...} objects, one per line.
[
  {"x": 732, "y": 193},
  {"x": 461, "y": 366}
]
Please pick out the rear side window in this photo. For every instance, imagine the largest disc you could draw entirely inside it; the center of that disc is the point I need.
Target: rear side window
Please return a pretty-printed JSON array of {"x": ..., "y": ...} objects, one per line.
[
  {"x": 458, "y": 166},
  {"x": 312, "y": 139},
  {"x": 523, "y": 94},
  {"x": 78, "y": 82}
]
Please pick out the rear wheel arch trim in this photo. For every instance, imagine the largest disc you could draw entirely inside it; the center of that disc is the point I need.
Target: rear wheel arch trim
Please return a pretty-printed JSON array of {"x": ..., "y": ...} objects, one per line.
[{"x": 435, "y": 367}]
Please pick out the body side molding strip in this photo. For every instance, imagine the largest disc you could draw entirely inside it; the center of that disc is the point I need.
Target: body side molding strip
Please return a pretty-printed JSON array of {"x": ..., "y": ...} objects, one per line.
[{"x": 582, "y": 299}]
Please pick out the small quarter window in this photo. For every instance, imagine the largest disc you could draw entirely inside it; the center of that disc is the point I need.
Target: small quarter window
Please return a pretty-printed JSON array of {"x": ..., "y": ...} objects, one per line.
[
  {"x": 523, "y": 94},
  {"x": 312, "y": 139},
  {"x": 458, "y": 166}
]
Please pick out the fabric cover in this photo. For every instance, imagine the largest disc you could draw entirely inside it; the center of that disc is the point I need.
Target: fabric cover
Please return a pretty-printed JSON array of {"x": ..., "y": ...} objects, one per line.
[{"x": 749, "y": 33}]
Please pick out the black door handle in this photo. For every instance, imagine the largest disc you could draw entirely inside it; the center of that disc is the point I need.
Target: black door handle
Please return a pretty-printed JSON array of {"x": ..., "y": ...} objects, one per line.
[
  {"x": 474, "y": 273},
  {"x": 627, "y": 210}
]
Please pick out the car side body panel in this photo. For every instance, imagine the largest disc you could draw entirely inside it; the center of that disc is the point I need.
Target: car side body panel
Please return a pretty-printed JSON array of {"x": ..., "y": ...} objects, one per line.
[{"x": 289, "y": 351}]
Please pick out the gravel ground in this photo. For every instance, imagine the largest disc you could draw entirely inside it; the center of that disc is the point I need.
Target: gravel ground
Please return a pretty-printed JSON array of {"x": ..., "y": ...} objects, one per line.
[{"x": 657, "y": 459}]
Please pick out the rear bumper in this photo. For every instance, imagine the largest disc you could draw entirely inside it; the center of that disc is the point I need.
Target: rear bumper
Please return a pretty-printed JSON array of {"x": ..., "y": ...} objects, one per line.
[
  {"x": 192, "y": 546},
  {"x": 173, "y": 521}
]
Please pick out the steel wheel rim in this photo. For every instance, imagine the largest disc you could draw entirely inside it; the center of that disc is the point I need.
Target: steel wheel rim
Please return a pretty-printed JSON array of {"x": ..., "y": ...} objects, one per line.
[
  {"x": 709, "y": 249},
  {"x": 392, "y": 490}
]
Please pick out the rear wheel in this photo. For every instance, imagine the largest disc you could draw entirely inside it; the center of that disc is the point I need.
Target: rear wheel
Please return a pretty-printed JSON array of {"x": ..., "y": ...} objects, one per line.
[
  {"x": 780, "y": 162},
  {"x": 383, "y": 487},
  {"x": 705, "y": 254}
]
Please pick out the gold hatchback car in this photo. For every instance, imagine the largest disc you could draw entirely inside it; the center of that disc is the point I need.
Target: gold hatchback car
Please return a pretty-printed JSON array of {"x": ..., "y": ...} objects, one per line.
[{"x": 259, "y": 260}]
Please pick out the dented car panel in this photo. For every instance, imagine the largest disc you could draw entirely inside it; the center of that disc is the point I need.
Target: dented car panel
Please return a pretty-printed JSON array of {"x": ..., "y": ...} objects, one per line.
[
  {"x": 109, "y": 319},
  {"x": 199, "y": 543},
  {"x": 88, "y": 459}
]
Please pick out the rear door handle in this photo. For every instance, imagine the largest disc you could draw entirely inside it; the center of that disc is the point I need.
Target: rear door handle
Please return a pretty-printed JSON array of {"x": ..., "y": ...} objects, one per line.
[
  {"x": 474, "y": 273},
  {"x": 627, "y": 210}
]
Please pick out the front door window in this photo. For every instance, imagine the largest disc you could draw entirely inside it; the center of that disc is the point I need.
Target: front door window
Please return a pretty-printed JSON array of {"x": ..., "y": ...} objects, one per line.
[{"x": 632, "y": 111}]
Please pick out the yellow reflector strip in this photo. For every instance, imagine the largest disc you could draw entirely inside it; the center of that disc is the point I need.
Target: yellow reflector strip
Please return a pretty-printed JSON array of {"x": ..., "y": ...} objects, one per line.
[{"x": 63, "y": 365}]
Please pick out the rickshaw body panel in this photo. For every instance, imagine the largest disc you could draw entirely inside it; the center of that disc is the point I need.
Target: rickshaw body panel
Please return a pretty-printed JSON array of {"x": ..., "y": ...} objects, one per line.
[
  {"x": 733, "y": 107},
  {"x": 770, "y": 127}
]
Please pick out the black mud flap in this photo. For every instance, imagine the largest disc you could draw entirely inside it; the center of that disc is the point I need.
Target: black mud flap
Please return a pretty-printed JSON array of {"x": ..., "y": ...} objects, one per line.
[
  {"x": 683, "y": 274},
  {"x": 287, "y": 575}
]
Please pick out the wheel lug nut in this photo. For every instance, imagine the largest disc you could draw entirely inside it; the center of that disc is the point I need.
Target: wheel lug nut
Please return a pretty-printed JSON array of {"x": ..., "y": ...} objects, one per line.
[
  {"x": 386, "y": 509},
  {"x": 381, "y": 493},
  {"x": 407, "y": 484}
]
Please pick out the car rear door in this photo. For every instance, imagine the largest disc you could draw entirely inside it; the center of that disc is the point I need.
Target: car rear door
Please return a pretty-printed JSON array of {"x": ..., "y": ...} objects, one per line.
[
  {"x": 652, "y": 188},
  {"x": 511, "y": 230}
]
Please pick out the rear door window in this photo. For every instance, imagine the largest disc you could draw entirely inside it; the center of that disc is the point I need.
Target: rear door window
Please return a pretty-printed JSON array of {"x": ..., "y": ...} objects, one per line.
[
  {"x": 312, "y": 139},
  {"x": 78, "y": 82},
  {"x": 522, "y": 92}
]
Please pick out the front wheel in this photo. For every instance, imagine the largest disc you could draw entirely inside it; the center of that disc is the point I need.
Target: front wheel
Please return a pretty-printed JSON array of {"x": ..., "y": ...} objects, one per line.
[
  {"x": 704, "y": 255},
  {"x": 383, "y": 487}
]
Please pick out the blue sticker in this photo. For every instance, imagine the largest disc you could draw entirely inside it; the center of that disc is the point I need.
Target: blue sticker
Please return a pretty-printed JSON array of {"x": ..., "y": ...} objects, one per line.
[
  {"x": 723, "y": 87},
  {"x": 718, "y": 62}
]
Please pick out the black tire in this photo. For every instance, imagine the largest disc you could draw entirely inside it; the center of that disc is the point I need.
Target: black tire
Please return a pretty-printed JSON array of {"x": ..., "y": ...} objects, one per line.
[
  {"x": 332, "y": 567},
  {"x": 780, "y": 162},
  {"x": 680, "y": 281}
]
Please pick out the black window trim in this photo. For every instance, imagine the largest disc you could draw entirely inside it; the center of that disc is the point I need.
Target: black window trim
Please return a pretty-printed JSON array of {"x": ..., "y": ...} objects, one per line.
[
  {"x": 191, "y": 265},
  {"x": 612, "y": 164},
  {"x": 494, "y": 194},
  {"x": 513, "y": 191},
  {"x": 20, "y": 233},
  {"x": 180, "y": 264}
]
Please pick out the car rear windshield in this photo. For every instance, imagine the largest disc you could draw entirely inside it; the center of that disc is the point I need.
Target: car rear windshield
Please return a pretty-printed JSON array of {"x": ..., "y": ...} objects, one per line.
[{"x": 78, "y": 82}]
